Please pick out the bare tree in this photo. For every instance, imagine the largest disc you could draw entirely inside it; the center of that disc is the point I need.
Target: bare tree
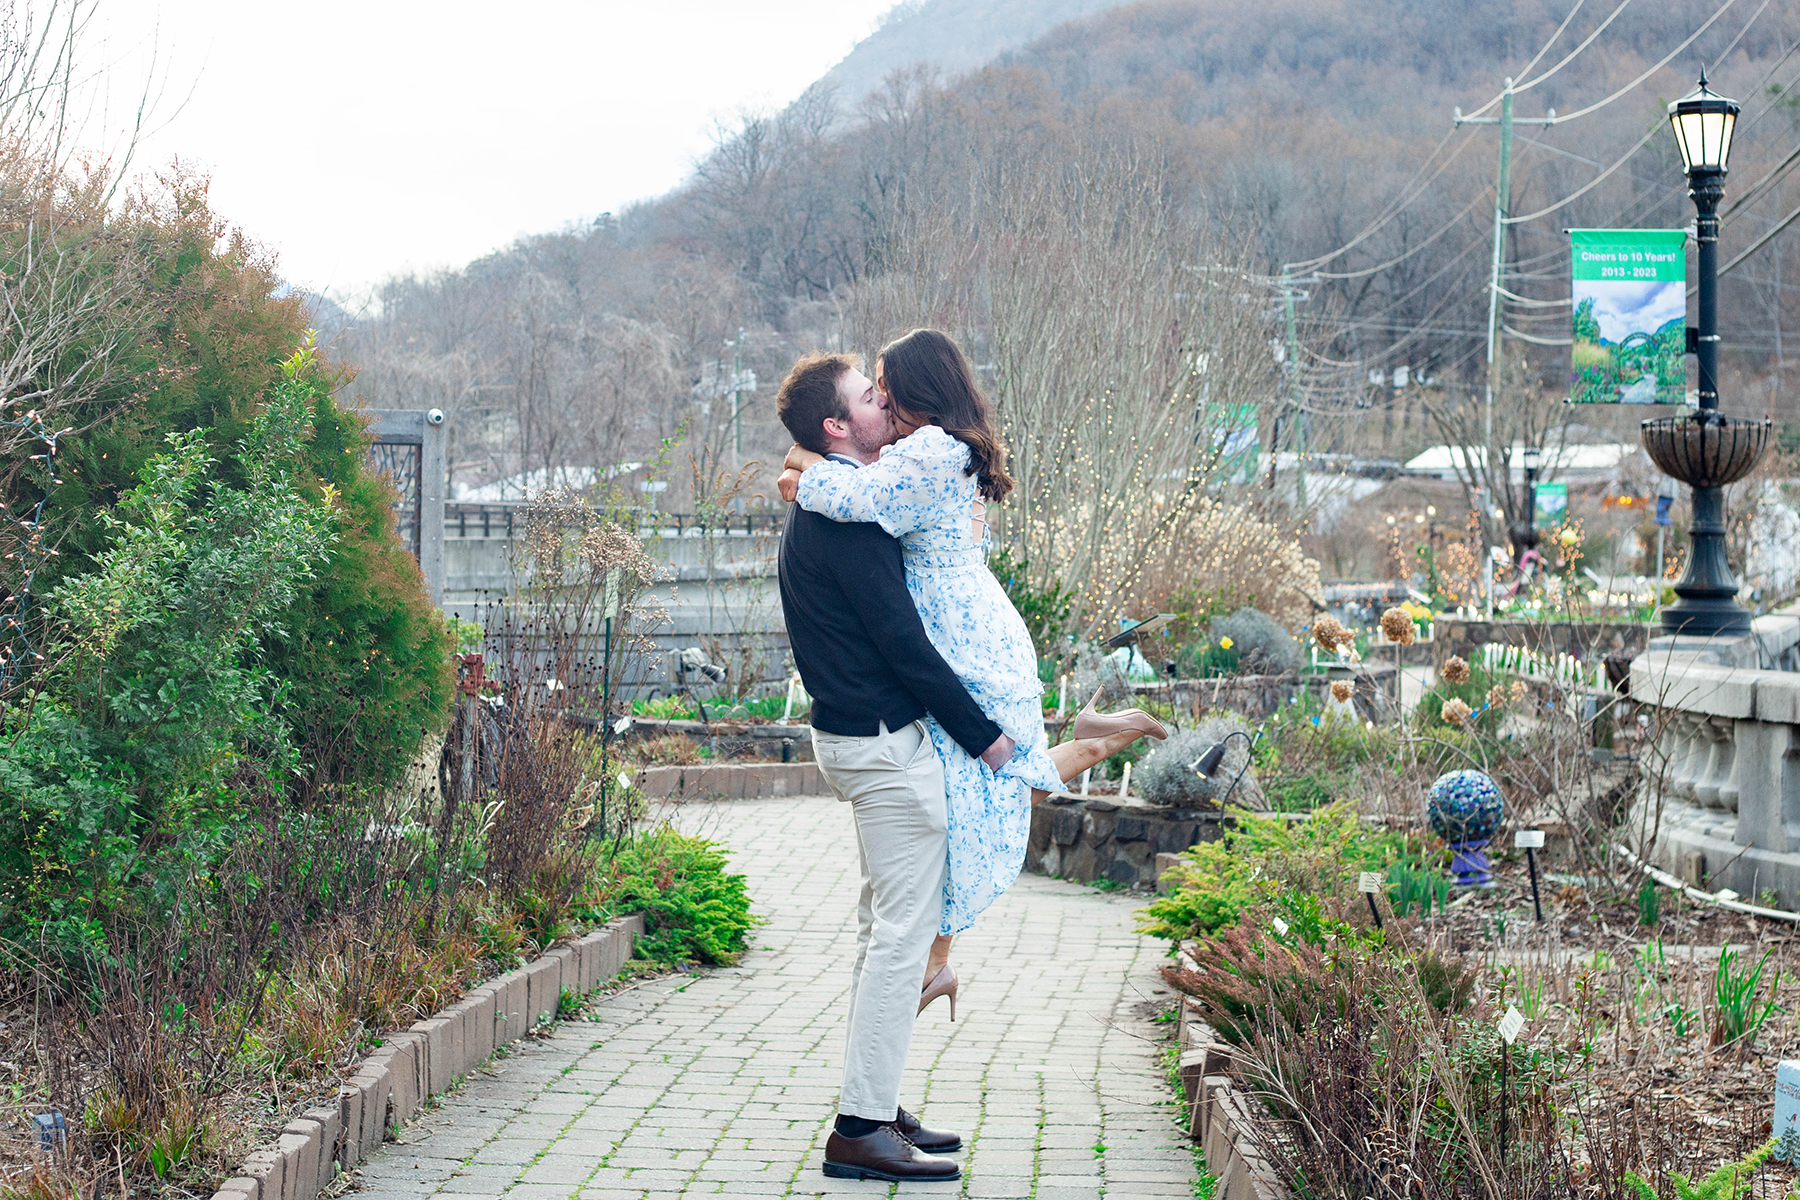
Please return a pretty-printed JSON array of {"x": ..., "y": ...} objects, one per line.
[
  {"x": 73, "y": 296},
  {"x": 1125, "y": 350}
]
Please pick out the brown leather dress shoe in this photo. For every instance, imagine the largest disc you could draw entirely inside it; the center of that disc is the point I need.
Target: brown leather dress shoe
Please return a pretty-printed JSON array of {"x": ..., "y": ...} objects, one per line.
[
  {"x": 884, "y": 1154},
  {"x": 931, "y": 1141}
]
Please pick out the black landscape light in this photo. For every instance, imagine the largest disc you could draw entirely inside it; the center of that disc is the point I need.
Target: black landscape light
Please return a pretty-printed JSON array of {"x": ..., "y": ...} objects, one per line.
[
  {"x": 1706, "y": 449},
  {"x": 1208, "y": 764}
]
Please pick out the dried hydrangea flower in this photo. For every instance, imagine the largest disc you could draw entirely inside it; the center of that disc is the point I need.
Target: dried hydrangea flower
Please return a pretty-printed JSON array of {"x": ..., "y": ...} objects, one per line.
[
  {"x": 1496, "y": 696},
  {"x": 1330, "y": 633},
  {"x": 1397, "y": 626},
  {"x": 1518, "y": 689},
  {"x": 1456, "y": 670},
  {"x": 1342, "y": 690},
  {"x": 1456, "y": 713}
]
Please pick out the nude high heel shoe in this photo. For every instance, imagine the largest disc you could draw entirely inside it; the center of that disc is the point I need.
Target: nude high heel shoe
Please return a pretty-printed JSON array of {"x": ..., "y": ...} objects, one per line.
[
  {"x": 942, "y": 984},
  {"x": 1090, "y": 723}
]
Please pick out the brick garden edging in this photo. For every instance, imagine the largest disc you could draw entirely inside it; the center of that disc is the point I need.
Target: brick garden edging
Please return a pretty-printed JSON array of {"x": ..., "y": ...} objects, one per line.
[
  {"x": 1219, "y": 1118},
  {"x": 395, "y": 1081}
]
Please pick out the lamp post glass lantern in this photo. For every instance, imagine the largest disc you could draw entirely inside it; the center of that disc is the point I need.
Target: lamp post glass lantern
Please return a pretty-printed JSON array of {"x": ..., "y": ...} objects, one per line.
[
  {"x": 1704, "y": 122},
  {"x": 1706, "y": 450}
]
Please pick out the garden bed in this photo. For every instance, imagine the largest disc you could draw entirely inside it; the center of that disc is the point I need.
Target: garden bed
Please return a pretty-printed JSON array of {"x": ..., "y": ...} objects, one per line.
[{"x": 1642, "y": 1048}]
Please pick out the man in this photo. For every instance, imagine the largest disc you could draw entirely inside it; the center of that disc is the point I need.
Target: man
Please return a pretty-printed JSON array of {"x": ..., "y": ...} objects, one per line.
[{"x": 862, "y": 653}]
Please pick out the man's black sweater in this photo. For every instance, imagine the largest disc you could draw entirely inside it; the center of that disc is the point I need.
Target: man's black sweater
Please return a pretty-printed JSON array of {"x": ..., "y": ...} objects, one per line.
[{"x": 857, "y": 639}]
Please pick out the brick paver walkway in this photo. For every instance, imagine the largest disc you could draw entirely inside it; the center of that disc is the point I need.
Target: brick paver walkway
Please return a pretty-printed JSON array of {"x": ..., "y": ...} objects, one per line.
[{"x": 723, "y": 1082}]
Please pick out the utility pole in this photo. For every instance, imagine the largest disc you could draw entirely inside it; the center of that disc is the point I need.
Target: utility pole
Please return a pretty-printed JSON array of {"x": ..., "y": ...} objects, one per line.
[
  {"x": 1502, "y": 206},
  {"x": 1289, "y": 294}
]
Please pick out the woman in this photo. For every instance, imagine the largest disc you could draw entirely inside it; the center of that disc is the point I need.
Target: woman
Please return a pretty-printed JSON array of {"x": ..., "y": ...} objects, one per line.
[{"x": 930, "y": 489}]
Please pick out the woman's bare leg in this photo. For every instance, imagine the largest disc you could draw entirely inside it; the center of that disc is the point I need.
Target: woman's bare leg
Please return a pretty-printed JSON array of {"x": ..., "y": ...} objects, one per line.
[
  {"x": 940, "y": 954},
  {"x": 1082, "y": 754}
]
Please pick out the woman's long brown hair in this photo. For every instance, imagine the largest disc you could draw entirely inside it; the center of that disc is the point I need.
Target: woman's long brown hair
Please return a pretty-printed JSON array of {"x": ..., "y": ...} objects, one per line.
[{"x": 926, "y": 377}]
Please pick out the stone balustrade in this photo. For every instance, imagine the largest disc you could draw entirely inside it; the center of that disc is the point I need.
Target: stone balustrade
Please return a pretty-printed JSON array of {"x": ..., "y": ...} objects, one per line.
[{"x": 1721, "y": 801}]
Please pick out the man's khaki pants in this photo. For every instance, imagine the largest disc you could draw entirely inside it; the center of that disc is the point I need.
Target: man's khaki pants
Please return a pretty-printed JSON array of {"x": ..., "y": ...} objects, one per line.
[{"x": 895, "y": 787}]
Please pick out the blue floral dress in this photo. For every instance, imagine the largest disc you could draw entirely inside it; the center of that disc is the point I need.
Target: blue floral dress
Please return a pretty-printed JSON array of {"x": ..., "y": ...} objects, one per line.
[{"x": 920, "y": 493}]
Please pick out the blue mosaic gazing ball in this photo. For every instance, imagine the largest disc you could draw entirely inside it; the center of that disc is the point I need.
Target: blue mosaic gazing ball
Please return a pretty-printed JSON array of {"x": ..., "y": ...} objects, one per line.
[{"x": 1464, "y": 806}]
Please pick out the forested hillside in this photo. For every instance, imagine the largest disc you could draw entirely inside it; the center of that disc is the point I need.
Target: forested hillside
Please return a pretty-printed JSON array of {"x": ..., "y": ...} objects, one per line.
[
  {"x": 951, "y": 35},
  {"x": 1284, "y": 130}
]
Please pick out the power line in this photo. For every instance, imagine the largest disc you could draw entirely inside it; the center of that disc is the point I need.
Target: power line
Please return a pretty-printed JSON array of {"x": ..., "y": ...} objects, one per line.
[
  {"x": 1754, "y": 190},
  {"x": 1778, "y": 97},
  {"x": 1670, "y": 57},
  {"x": 1395, "y": 261},
  {"x": 1569, "y": 57},
  {"x": 1590, "y": 184},
  {"x": 1651, "y": 132},
  {"x": 1542, "y": 50},
  {"x": 1406, "y": 198},
  {"x": 1762, "y": 241},
  {"x": 1393, "y": 210},
  {"x": 1540, "y": 341}
]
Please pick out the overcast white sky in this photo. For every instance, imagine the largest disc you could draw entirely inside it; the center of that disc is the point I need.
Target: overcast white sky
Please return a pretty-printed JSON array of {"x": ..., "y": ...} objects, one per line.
[{"x": 363, "y": 137}]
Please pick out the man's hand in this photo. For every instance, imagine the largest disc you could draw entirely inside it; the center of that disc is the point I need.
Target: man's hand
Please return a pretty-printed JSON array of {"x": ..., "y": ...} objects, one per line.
[
  {"x": 799, "y": 458},
  {"x": 995, "y": 756},
  {"x": 788, "y": 484}
]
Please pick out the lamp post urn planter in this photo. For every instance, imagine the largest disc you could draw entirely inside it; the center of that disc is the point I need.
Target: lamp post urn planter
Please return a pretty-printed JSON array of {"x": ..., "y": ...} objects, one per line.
[{"x": 1706, "y": 450}]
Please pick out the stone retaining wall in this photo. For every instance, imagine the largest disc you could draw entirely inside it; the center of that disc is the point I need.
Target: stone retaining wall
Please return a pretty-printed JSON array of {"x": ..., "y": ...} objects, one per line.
[
  {"x": 1088, "y": 838},
  {"x": 731, "y": 781},
  {"x": 1586, "y": 640},
  {"x": 394, "y": 1082}
]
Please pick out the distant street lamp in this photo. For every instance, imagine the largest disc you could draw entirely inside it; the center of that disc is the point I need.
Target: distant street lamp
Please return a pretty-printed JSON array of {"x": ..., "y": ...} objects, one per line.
[
  {"x": 1706, "y": 449},
  {"x": 1524, "y": 531}
]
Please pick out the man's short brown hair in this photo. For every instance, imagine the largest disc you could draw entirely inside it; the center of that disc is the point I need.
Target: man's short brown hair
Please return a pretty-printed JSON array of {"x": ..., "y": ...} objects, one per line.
[{"x": 809, "y": 397}]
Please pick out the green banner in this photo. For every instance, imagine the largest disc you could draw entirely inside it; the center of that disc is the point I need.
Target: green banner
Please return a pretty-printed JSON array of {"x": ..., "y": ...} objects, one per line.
[
  {"x": 1552, "y": 502},
  {"x": 1629, "y": 290},
  {"x": 1236, "y": 441}
]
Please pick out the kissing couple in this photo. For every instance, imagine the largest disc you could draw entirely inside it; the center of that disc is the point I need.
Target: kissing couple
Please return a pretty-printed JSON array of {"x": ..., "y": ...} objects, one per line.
[{"x": 927, "y": 714}]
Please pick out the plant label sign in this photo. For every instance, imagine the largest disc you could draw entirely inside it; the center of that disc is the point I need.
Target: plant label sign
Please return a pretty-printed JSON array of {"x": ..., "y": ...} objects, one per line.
[
  {"x": 1528, "y": 839},
  {"x": 1511, "y": 1024},
  {"x": 1369, "y": 881},
  {"x": 1786, "y": 1124},
  {"x": 624, "y": 782},
  {"x": 1629, "y": 290}
]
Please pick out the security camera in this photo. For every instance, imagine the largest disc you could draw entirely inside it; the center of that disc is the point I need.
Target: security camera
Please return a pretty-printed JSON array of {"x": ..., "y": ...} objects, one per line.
[
  {"x": 694, "y": 659},
  {"x": 435, "y": 417}
]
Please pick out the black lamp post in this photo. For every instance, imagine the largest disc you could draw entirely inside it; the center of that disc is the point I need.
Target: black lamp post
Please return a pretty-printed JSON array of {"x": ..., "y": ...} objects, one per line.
[
  {"x": 1706, "y": 449},
  {"x": 1524, "y": 531}
]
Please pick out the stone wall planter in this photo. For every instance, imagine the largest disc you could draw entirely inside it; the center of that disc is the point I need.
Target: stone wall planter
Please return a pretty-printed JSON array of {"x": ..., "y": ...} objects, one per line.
[
  {"x": 1586, "y": 640},
  {"x": 1084, "y": 838},
  {"x": 413, "y": 1065},
  {"x": 1096, "y": 837},
  {"x": 731, "y": 781}
]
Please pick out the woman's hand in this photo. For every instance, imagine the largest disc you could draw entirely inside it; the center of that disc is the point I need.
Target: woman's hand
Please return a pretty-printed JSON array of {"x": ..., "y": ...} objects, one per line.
[
  {"x": 788, "y": 484},
  {"x": 799, "y": 458}
]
